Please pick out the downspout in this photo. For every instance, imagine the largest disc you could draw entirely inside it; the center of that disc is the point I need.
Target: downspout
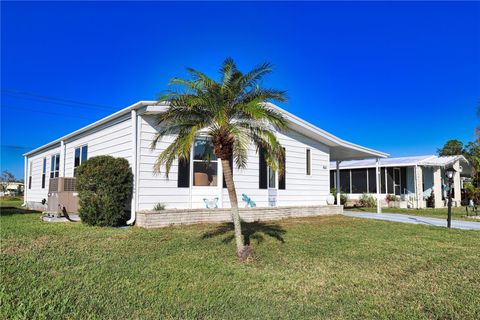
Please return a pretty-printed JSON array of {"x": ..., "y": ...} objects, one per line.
[{"x": 133, "y": 205}]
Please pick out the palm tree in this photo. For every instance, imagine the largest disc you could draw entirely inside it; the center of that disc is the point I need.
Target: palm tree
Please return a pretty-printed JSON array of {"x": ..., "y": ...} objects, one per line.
[
  {"x": 477, "y": 129},
  {"x": 234, "y": 113}
]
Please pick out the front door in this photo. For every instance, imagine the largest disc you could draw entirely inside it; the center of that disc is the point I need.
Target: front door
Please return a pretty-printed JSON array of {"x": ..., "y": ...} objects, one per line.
[{"x": 396, "y": 181}]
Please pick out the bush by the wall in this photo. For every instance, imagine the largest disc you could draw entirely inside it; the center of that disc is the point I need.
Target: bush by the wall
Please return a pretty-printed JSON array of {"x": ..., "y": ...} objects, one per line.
[
  {"x": 104, "y": 184},
  {"x": 367, "y": 201},
  {"x": 343, "y": 196}
]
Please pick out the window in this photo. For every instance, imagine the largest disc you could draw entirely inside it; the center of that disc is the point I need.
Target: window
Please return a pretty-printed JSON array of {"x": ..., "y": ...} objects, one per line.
[
  {"x": 359, "y": 181},
  {"x": 30, "y": 177},
  {"x": 271, "y": 178},
  {"x": 55, "y": 166},
  {"x": 44, "y": 172},
  {"x": 309, "y": 163},
  {"x": 345, "y": 181},
  {"x": 80, "y": 157},
  {"x": 205, "y": 163},
  {"x": 372, "y": 180}
]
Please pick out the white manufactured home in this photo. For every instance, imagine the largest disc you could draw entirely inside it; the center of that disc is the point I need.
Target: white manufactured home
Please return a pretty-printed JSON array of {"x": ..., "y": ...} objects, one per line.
[{"x": 128, "y": 133}]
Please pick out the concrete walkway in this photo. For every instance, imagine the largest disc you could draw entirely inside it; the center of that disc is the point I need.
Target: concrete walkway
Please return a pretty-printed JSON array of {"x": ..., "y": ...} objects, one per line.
[{"x": 405, "y": 218}]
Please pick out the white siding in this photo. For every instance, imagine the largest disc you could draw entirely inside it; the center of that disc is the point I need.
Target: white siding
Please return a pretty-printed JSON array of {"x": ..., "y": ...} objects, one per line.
[
  {"x": 300, "y": 188},
  {"x": 113, "y": 139},
  {"x": 157, "y": 188},
  {"x": 37, "y": 193}
]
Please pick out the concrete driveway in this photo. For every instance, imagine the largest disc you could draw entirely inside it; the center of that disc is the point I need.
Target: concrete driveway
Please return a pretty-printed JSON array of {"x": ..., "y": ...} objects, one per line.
[{"x": 405, "y": 218}]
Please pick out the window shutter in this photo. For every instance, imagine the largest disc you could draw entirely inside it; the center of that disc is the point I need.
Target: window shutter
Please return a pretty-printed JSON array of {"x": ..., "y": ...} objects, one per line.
[
  {"x": 282, "y": 179},
  {"x": 183, "y": 173},
  {"x": 230, "y": 161},
  {"x": 262, "y": 170}
]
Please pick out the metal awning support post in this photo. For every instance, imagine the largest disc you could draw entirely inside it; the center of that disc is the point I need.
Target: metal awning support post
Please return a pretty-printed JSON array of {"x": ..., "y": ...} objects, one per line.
[
  {"x": 377, "y": 174},
  {"x": 337, "y": 183}
]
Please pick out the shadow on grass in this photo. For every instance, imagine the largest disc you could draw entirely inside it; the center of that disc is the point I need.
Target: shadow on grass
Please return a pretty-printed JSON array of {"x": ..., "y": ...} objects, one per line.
[
  {"x": 250, "y": 230},
  {"x": 8, "y": 211}
]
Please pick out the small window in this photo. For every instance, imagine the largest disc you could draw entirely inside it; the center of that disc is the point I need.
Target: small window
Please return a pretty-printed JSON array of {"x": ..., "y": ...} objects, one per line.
[
  {"x": 55, "y": 166},
  {"x": 309, "y": 163},
  {"x": 271, "y": 178},
  {"x": 79, "y": 157},
  {"x": 30, "y": 176},
  {"x": 44, "y": 172},
  {"x": 205, "y": 163}
]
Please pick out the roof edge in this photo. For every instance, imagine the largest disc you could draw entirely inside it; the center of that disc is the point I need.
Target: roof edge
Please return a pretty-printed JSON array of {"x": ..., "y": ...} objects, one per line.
[
  {"x": 97, "y": 123},
  {"x": 328, "y": 135}
]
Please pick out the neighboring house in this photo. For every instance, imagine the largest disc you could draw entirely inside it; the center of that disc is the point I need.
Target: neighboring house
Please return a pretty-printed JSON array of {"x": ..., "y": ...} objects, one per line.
[
  {"x": 128, "y": 133},
  {"x": 13, "y": 189},
  {"x": 411, "y": 178}
]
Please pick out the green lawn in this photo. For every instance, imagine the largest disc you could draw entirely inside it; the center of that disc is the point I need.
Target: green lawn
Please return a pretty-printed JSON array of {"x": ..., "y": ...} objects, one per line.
[
  {"x": 324, "y": 267},
  {"x": 458, "y": 213}
]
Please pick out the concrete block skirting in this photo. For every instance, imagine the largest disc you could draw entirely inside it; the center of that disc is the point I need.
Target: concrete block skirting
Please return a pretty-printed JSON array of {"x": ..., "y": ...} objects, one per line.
[{"x": 164, "y": 218}]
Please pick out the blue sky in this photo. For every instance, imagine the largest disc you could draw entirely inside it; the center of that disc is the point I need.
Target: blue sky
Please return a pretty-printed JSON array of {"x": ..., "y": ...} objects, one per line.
[{"x": 399, "y": 77}]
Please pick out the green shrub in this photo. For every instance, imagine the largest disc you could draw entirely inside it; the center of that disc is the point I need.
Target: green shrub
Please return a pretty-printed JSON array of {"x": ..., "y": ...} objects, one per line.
[
  {"x": 473, "y": 193},
  {"x": 159, "y": 206},
  {"x": 391, "y": 198},
  {"x": 367, "y": 201},
  {"x": 343, "y": 196},
  {"x": 431, "y": 200},
  {"x": 104, "y": 184}
]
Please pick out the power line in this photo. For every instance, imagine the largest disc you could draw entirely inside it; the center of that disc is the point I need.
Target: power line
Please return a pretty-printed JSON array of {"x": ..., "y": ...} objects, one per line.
[
  {"x": 56, "y": 100},
  {"x": 10, "y": 108}
]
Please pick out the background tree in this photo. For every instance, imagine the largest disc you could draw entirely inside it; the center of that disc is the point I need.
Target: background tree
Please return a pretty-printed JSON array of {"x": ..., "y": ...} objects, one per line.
[
  {"x": 477, "y": 129},
  {"x": 233, "y": 112},
  {"x": 451, "y": 148},
  {"x": 472, "y": 153},
  {"x": 6, "y": 178}
]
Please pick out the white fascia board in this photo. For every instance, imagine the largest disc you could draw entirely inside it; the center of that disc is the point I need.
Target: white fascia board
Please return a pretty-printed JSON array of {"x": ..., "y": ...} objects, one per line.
[
  {"x": 93, "y": 125},
  {"x": 373, "y": 166}
]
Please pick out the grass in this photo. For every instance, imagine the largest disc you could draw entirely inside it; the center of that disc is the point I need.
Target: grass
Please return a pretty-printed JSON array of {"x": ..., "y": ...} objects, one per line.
[
  {"x": 458, "y": 213},
  {"x": 323, "y": 267}
]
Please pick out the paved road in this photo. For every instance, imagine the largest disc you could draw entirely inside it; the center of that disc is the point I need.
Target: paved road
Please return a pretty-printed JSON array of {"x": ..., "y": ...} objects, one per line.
[{"x": 405, "y": 218}]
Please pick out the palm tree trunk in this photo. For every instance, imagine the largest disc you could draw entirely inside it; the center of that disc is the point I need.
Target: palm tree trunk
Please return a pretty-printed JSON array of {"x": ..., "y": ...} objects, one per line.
[{"x": 232, "y": 194}]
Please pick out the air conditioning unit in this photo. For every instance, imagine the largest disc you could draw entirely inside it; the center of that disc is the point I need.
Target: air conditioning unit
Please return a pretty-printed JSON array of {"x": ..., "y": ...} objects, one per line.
[{"x": 62, "y": 195}]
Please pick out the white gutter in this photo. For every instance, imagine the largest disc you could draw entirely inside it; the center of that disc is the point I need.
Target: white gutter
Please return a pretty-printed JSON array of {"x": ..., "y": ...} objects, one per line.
[{"x": 133, "y": 206}]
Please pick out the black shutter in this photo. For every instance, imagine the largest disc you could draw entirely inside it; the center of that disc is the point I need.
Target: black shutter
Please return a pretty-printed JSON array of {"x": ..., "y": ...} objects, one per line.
[
  {"x": 230, "y": 161},
  {"x": 282, "y": 179},
  {"x": 183, "y": 173},
  {"x": 262, "y": 170}
]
